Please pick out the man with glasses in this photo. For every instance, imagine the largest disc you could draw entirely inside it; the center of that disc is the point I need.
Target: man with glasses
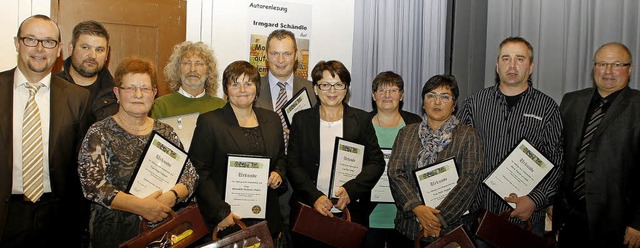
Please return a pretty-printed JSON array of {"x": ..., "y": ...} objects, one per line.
[
  {"x": 193, "y": 77},
  {"x": 43, "y": 124},
  {"x": 506, "y": 113},
  {"x": 85, "y": 66},
  {"x": 598, "y": 204}
]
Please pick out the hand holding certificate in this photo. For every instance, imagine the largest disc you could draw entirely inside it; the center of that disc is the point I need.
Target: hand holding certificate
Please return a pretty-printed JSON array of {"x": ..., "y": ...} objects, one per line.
[
  {"x": 247, "y": 185},
  {"x": 159, "y": 168},
  {"x": 520, "y": 172},
  {"x": 436, "y": 181}
]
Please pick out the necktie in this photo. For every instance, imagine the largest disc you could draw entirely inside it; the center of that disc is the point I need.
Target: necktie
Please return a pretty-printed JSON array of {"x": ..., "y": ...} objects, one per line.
[
  {"x": 32, "y": 155},
  {"x": 592, "y": 125},
  {"x": 282, "y": 98}
]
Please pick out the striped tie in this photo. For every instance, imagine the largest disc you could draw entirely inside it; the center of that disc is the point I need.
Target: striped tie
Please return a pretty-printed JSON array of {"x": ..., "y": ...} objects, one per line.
[
  {"x": 32, "y": 165},
  {"x": 282, "y": 98},
  {"x": 578, "y": 180}
]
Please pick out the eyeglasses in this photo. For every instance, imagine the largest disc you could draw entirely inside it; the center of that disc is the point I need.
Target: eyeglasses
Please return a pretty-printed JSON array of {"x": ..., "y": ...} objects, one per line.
[
  {"x": 327, "y": 86},
  {"x": 616, "y": 65},
  {"x": 431, "y": 97},
  {"x": 392, "y": 91},
  {"x": 33, "y": 42},
  {"x": 133, "y": 89},
  {"x": 199, "y": 64},
  {"x": 236, "y": 85}
]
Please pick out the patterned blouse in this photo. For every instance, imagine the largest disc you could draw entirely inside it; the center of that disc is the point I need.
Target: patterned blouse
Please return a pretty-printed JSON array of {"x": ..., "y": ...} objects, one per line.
[{"x": 107, "y": 159}]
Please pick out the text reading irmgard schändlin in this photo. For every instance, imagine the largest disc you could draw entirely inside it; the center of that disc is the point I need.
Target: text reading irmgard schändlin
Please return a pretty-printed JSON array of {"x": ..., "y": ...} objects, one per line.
[{"x": 268, "y": 7}]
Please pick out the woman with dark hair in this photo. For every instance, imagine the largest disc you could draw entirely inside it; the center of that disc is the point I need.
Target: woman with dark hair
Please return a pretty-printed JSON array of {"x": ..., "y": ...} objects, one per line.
[
  {"x": 311, "y": 148},
  {"x": 438, "y": 137},
  {"x": 387, "y": 92},
  {"x": 237, "y": 128}
]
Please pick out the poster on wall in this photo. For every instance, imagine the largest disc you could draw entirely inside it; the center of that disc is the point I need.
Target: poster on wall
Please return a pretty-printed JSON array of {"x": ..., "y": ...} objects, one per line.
[{"x": 267, "y": 16}]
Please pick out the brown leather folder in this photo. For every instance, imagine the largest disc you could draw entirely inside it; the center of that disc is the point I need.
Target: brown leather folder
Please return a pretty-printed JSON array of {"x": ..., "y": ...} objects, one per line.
[
  {"x": 337, "y": 232},
  {"x": 457, "y": 237},
  {"x": 501, "y": 233}
]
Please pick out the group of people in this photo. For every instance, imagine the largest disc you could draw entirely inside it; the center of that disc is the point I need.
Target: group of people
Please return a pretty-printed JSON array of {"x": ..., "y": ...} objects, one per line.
[{"x": 74, "y": 139}]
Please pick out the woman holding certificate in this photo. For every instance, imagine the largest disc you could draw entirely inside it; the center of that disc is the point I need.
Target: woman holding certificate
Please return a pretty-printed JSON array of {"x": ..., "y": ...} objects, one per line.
[
  {"x": 437, "y": 139},
  {"x": 387, "y": 91},
  {"x": 238, "y": 151},
  {"x": 312, "y": 144},
  {"x": 110, "y": 153}
]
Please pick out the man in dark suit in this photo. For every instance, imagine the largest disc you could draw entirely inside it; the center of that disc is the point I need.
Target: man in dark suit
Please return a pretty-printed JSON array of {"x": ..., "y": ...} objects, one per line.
[
  {"x": 34, "y": 220},
  {"x": 599, "y": 201},
  {"x": 282, "y": 58}
]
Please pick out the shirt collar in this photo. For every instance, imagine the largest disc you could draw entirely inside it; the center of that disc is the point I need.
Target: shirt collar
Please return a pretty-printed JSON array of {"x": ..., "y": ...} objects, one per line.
[
  {"x": 19, "y": 79},
  {"x": 186, "y": 94},
  {"x": 273, "y": 81}
]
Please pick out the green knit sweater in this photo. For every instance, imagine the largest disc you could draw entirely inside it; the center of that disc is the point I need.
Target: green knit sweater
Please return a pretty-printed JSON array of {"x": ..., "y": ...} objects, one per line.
[{"x": 176, "y": 104}]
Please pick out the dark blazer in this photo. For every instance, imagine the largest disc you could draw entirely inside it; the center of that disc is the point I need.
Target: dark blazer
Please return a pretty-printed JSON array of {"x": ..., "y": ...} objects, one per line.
[
  {"x": 612, "y": 165},
  {"x": 217, "y": 134},
  {"x": 304, "y": 159},
  {"x": 68, "y": 124},
  {"x": 265, "y": 100}
]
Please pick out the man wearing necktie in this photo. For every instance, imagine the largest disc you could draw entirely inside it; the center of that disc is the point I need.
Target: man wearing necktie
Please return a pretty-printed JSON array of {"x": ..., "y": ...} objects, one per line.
[
  {"x": 44, "y": 120},
  {"x": 279, "y": 85},
  {"x": 598, "y": 204}
]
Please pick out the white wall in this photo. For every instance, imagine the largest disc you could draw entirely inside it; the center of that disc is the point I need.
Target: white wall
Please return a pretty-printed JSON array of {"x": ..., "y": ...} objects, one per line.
[
  {"x": 13, "y": 12},
  {"x": 219, "y": 23},
  {"x": 223, "y": 25}
]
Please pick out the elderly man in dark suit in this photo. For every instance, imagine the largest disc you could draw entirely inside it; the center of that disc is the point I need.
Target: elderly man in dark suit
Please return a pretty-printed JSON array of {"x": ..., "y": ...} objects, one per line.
[
  {"x": 32, "y": 213},
  {"x": 599, "y": 201}
]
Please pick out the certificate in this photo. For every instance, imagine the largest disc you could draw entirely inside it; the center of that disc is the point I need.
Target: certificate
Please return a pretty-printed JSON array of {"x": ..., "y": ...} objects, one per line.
[
  {"x": 436, "y": 181},
  {"x": 159, "y": 168},
  {"x": 520, "y": 172},
  {"x": 381, "y": 192},
  {"x": 347, "y": 163},
  {"x": 299, "y": 102},
  {"x": 247, "y": 184},
  {"x": 183, "y": 125}
]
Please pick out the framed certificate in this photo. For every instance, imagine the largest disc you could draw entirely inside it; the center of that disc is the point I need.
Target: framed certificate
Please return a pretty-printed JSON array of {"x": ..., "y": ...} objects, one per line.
[
  {"x": 159, "y": 168},
  {"x": 348, "y": 158},
  {"x": 247, "y": 185},
  {"x": 436, "y": 181},
  {"x": 298, "y": 102},
  {"x": 183, "y": 125},
  {"x": 381, "y": 191},
  {"x": 520, "y": 172}
]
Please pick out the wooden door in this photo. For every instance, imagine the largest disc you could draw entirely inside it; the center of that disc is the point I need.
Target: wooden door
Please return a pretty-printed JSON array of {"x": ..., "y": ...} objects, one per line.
[{"x": 144, "y": 28}]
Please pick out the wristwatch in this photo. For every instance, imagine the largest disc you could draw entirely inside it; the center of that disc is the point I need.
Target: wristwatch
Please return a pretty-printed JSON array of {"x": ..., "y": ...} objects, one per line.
[{"x": 176, "y": 194}]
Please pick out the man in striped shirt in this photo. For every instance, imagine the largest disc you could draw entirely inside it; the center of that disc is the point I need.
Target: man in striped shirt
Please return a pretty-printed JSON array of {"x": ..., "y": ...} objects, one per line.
[{"x": 506, "y": 113}]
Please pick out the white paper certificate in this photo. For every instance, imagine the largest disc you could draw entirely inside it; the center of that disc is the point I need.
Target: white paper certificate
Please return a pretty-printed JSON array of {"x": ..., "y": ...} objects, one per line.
[
  {"x": 298, "y": 102},
  {"x": 381, "y": 192},
  {"x": 520, "y": 172},
  {"x": 159, "y": 168},
  {"x": 347, "y": 163},
  {"x": 247, "y": 184},
  {"x": 436, "y": 181}
]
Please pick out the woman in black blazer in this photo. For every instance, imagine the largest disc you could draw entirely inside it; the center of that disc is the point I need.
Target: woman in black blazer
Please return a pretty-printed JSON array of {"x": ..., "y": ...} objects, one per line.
[
  {"x": 237, "y": 128},
  {"x": 311, "y": 146}
]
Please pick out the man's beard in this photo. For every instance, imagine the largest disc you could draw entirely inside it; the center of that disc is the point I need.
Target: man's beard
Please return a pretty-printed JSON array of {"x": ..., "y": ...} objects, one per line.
[{"x": 85, "y": 72}]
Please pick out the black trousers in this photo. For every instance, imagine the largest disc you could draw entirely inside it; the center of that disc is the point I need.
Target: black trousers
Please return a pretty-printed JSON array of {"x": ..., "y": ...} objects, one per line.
[{"x": 34, "y": 224}]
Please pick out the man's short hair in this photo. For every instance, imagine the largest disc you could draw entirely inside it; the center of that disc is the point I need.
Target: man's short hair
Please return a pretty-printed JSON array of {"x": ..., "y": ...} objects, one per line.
[
  {"x": 516, "y": 39},
  {"x": 281, "y": 34},
  {"x": 42, "y": 17},
  {"x": 90, "y": 27}
]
